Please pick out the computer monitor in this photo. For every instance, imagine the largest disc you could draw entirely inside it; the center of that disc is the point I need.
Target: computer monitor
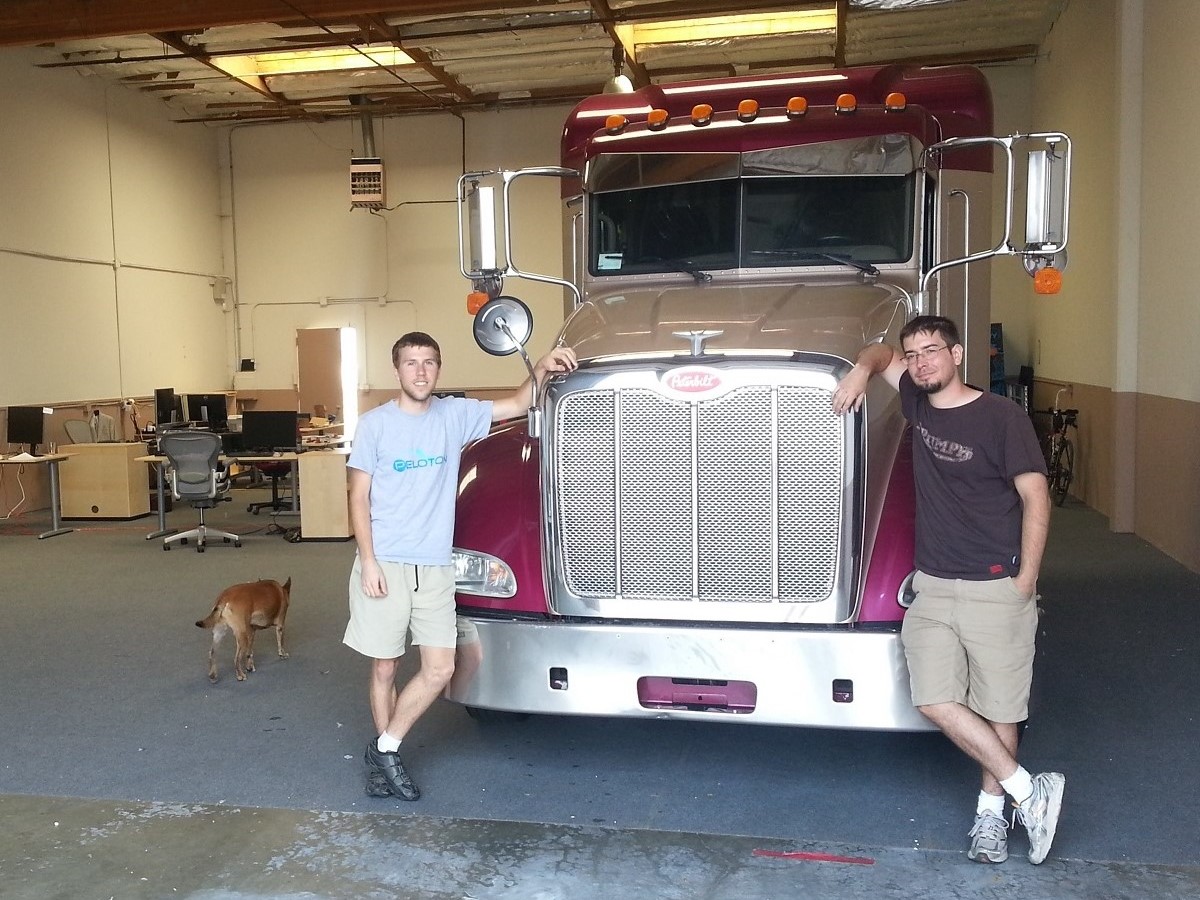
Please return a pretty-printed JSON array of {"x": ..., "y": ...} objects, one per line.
[
  {"x": 270, "y": 429},
  {"x": 208, "y": 408},
  {"x": 168, "y": 407},
  {"x": 26, "y": 425}
]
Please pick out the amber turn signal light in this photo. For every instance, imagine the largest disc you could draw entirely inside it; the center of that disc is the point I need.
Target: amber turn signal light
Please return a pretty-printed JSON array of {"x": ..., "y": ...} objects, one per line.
[
  {"x": 475, "y": 301},
  {"x": 1047, "y": 281}
]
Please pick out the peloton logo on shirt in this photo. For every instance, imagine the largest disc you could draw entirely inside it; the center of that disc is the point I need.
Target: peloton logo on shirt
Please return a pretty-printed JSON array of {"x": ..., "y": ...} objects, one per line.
[
  {"x": 950, "y": 451},
  {"x": 421, "y": 460}
]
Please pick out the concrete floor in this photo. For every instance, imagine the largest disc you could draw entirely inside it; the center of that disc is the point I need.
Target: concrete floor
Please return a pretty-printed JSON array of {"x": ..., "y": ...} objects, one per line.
[
  {"x": 155, "y": 799},
  {"x": 81, "y": 849}
]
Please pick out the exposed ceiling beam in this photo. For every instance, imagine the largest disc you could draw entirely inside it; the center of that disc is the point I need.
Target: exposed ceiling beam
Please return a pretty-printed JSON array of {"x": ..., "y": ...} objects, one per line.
[
  {"x": 621, "y": 53},
  {"x": 28, "y": 22},
  {"x": 42, "y": 21},
  {"x": 839, "y": 38},
  {"x": 372, "y": 25},
  {"x": 256, "y": 84}
]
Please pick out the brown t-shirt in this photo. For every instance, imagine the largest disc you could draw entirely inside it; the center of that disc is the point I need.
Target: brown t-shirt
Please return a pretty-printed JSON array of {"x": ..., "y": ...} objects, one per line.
[{"x": 964, "y": 462}]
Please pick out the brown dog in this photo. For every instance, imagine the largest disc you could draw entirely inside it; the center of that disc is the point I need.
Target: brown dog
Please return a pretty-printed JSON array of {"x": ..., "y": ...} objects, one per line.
[{"x": 244, "y": 609}]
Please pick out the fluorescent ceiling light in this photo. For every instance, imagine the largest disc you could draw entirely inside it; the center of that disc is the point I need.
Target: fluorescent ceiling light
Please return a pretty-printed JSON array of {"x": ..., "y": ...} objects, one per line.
[
  {"x": 797, "y": 81},
  {"x": 717, "y": 27},
  {"x": 333, "y": 59}
]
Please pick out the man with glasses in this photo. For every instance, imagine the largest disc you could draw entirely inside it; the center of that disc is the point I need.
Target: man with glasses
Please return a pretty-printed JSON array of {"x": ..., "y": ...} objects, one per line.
[{"x": 983, "y": 512}]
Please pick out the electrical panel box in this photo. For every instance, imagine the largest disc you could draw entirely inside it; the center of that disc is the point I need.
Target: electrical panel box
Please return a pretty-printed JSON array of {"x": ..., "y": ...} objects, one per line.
[{"x": 366, "y": 182}]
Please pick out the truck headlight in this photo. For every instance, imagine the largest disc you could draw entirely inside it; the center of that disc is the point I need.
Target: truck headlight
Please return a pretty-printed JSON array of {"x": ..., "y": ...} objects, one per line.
[
  {"x": 482, "y": 574},
  {"x": 906, "y": 595}
]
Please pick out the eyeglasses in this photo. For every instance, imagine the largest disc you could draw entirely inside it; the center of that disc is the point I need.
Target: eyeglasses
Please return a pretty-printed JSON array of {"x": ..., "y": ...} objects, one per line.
[{"x": 925, "y": 353}]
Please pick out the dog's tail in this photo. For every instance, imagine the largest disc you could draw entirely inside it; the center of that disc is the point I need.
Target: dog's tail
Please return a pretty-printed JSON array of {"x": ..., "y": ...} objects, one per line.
[{"x": 213, "y": 618}]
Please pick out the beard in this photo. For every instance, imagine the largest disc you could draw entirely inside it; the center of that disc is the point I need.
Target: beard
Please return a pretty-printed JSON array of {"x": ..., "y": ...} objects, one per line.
[{"x": 929, "y": 387}]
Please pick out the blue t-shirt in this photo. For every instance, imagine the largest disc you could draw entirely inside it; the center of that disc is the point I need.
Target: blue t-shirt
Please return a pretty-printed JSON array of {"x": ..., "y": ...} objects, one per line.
[{"x": 413, "y": 464}]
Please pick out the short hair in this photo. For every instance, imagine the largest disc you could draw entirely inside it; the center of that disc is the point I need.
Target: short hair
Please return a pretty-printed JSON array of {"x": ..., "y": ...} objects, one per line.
[
  {"x": 414, "y": 339},
  {"x": 937, "y": 325}
]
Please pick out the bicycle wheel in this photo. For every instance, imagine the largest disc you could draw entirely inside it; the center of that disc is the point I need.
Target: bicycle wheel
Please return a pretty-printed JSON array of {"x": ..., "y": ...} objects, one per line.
[{"x": 1062, "y": 471}]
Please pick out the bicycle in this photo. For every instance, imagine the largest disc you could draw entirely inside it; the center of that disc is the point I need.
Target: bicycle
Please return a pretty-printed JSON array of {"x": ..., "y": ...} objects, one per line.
[{"x": 1060, "y": 452}]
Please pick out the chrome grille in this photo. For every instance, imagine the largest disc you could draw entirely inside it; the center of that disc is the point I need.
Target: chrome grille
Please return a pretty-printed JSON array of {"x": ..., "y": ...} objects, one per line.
[
  {"x": 587, "y": 464},
  {"x": 737, "y": 498},
  {"x": 655, "y": 497},
  {"x": 811, "y": 462}
]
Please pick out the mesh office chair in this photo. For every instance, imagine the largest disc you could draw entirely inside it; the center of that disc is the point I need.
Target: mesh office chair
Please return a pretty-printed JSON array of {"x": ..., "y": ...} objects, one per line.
[{"x": 195, "y": 476}]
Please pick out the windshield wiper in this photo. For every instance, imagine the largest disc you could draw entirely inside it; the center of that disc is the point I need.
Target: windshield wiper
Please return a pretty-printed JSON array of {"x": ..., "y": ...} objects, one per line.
[
  {"x": 864, "y": 267},
  {"x": 686, "y": 266}
]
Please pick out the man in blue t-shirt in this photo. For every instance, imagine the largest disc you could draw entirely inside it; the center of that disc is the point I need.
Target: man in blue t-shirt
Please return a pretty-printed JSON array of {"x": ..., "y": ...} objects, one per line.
[
  {"x": 983, "y": 513},
  {"x": 403, "y": 473}
]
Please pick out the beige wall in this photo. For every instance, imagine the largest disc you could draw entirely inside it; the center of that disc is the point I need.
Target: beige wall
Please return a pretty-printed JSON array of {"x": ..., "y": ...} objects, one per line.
[
  {"x": 1169, "y": 324},
  {"x": 1118, "y": 76},
  {"x": 109, "y": 235},
  {"x": 390, "y": 272},
  {"x": 113, "y": 222}
]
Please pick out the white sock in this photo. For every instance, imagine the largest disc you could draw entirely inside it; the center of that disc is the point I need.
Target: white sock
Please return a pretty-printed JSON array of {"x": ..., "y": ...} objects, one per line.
[
  {"x": 992, "y": 803},
  {"x": 387, "y": 743},
  {"x": 1018, "y": 785}
]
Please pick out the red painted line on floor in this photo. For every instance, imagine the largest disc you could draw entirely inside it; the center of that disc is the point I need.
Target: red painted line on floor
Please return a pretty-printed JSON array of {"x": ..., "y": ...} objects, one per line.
[{"x": 815, "y": 857}]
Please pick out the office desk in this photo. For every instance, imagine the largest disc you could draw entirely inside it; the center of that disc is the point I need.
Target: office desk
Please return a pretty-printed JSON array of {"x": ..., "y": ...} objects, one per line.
[
  {"x": 324, "y": 496},
  {"x": 160, "y": 465},
  {"x": 51, "y": 461},
  {"x": 104, "y": 481}
]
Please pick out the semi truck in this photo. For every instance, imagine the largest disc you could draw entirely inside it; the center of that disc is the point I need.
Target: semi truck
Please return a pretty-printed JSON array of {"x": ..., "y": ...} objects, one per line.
[{"x": 682, "y": 527}]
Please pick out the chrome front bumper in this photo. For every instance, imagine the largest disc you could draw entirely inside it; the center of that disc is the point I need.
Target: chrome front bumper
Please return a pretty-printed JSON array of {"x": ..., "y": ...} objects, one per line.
[{"x": 756, "y": 676}]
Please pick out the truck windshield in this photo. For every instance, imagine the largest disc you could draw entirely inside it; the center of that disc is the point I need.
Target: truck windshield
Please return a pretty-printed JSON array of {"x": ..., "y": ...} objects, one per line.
[{"x": 809, "y": 220}]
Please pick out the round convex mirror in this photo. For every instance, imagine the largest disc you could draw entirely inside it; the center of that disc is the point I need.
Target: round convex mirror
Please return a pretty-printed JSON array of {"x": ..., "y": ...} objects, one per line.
[{"x": 500, "y": 322}]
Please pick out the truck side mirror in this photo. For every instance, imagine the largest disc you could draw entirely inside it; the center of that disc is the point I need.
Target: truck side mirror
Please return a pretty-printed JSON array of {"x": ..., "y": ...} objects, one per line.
[
  {"x": 1046, "y": 191},
  {"x": 502, "y": 326}
]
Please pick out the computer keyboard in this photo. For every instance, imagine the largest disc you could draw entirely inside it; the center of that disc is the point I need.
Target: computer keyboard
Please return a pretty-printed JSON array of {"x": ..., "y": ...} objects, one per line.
[{"x": 23, "y": 457}]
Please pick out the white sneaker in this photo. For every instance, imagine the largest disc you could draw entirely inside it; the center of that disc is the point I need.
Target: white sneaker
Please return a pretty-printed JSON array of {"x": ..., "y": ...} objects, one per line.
[
  {"x": 1039, "y": 813},
  {"x": 989, "y": 838}
]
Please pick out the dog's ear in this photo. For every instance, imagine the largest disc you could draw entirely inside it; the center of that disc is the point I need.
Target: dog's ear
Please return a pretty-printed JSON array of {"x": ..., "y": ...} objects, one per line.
[{"x": 287, "y": 585}]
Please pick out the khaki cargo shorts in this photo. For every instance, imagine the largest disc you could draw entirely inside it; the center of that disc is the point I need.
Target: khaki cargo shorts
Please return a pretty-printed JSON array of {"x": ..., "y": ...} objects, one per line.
[
  {"x": 971, "y": 642},
  {"x": 419, "y": 598}
]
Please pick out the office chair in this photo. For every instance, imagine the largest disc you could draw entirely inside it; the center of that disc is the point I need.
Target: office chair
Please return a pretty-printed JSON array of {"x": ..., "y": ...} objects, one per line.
[
  {"x": 276, "y": 471},
  {"x": 78, "y": 431},
  {"x": 195, "y": 476}
]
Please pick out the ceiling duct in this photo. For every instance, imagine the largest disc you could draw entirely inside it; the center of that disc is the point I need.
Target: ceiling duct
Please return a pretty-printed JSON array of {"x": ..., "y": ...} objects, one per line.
[
  {"x": 366, "y": 171},
  {"x": 368, "y": 125}
]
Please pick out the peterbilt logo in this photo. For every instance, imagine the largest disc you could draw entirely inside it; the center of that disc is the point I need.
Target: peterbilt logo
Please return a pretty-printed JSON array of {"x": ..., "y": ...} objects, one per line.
[{"x": 692, "y": 380}]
